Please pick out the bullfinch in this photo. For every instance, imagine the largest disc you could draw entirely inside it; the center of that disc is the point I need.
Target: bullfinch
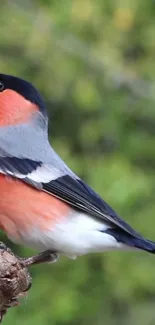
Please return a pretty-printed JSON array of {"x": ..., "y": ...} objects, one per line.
[{"x": 43, "y": 203}]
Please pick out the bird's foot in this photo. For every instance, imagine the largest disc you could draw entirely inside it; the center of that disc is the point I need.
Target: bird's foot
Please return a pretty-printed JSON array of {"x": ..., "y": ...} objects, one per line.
[{"x": 43, "y": 257}]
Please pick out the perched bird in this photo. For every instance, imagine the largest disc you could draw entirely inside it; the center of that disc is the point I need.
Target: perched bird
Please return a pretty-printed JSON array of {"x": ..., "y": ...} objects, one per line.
[{"x": 43, "y": 204}]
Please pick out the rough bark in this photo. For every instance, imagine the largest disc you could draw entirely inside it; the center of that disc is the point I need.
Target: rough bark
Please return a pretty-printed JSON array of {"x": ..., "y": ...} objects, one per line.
[{"x": 15, "y": 280}]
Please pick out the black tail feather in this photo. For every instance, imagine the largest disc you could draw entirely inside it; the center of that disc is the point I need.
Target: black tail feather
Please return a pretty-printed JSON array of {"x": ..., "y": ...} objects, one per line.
[{"x": 131, "y": 241}]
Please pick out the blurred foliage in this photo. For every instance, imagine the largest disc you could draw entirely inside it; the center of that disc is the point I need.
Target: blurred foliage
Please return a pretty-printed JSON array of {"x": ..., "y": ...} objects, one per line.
[{"x": 94, "y": 62}]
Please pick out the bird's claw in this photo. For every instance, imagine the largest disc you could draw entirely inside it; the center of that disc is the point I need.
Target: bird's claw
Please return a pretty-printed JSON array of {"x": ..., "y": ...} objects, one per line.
[{"x": 44, "y": 257}]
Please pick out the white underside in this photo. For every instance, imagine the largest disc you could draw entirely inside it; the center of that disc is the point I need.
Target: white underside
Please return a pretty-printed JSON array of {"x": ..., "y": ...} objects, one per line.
[{"x": 79, "y": 234}]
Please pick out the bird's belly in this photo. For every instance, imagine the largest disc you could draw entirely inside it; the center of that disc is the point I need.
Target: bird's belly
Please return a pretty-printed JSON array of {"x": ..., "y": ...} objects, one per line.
[
  {"x": 27, "y": 213},
  {"x": 81, "y": 234},
  {"x": 41, "y": 221},
  {"x": 78, "y": 234}
]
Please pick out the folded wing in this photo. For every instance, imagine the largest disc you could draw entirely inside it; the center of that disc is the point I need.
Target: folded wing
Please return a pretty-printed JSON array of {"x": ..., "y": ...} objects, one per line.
[{"x": 66, "y": 187}]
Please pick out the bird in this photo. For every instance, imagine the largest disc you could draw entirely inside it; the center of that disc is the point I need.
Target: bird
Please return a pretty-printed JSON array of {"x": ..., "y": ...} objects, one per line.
[{"x": 43, "y": 203}]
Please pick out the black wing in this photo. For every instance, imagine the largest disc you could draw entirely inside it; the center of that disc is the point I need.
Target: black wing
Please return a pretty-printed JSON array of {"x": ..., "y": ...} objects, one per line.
[
  {"x": 19, "y": 166},
  {"x": 81, "y": 196},
  {"x": 30, "y": 171}
]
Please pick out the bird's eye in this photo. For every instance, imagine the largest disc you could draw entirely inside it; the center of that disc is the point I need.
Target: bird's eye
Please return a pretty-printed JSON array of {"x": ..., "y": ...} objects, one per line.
[{"x": 1, "y": 86}]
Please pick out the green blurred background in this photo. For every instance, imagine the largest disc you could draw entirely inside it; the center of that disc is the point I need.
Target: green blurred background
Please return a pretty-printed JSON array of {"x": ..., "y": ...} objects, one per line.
[{"x": 94, "y": 62}]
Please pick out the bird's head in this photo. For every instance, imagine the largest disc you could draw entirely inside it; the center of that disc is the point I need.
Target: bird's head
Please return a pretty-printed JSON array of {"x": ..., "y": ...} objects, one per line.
[{"x": 19, "y": 101}]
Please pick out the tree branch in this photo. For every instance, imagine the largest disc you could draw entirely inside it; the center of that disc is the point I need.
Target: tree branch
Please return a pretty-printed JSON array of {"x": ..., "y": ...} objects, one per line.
[{"x": 15, "y": 280}]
